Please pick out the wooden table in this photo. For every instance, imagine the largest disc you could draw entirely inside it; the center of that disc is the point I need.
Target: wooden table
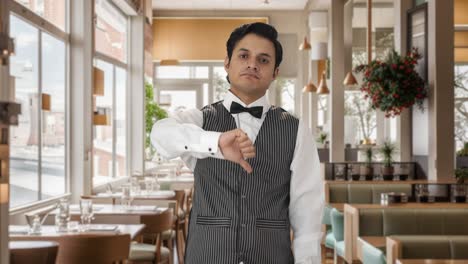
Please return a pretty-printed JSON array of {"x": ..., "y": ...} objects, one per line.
[
  {"x": 20, "y": 232},
  {"x": 112, "y": 214},
  {"x": 156, "y": 195},
  {"x": 351, "y": 220},
  {"x": 376, "y": 241},
  {"x": 432, "y": 261}
]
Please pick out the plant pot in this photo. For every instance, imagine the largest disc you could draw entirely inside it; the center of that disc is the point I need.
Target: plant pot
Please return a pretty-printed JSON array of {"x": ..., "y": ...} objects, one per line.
[
  {"x": 387, "y": 173},
  {"x": 355, "y": 177},
  {"x": 368, "y": 172},
  {"x": 403, "y": 177}
]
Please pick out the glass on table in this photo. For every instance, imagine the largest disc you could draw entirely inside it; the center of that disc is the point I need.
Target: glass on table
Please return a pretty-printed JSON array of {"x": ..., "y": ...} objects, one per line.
[
  {"x": 126, "y": 199},
  {"x": 149, "y": 185},
  {"x": 86, "y": 213},
  {"x": 63, "y": 215}
]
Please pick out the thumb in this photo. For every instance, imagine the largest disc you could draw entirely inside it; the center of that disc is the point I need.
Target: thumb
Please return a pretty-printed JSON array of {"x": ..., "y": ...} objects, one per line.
[{"x": 246, "y": 166}]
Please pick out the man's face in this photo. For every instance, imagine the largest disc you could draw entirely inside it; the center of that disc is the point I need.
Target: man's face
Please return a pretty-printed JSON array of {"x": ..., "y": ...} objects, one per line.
[{"x": 252, "y": 66}]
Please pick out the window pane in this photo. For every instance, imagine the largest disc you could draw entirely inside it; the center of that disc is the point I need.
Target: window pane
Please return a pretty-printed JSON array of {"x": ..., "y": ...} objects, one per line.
[
  {"x": 53, "y": 121},
  {"x": 461, "y": 105},
  {"x": 110, "y": 30},
  {"x": 201, "y": 72},
  {"x": 24, "y": 152},
  {"x": 120, "y": 120},
  {"x": 220, "y": 84},
  {"x": 179, "y": 100},
  {"x": 102, "y": 144},
  {"x": 173, "y": 72},
  {"x": 285, "y": 90},
  {"x": 360, "y": 119},
  {"x": 51, "y": 10}
]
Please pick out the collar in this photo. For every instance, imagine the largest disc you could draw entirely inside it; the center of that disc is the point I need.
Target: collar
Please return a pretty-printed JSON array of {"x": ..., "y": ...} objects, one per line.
[{"x": 262, "y": 101}]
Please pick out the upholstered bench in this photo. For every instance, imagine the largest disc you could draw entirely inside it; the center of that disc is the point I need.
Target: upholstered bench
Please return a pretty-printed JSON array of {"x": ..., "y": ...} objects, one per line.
[
  {"x": 420, "y": 222},
  {"x": 363, "y": 193},
  {"x": 426, "y": 247}
]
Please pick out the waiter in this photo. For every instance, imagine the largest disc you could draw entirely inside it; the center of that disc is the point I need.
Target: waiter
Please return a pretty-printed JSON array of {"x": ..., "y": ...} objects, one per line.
[{"x": 256, "y": 166}]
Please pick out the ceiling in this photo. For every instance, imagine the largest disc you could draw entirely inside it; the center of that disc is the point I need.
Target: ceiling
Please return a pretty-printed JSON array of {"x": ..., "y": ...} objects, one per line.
[{"x": 229, "y": 4}]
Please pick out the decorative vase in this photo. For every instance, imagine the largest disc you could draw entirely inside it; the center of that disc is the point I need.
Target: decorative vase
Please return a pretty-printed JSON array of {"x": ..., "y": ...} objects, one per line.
[{"x": 387, "y": 173}]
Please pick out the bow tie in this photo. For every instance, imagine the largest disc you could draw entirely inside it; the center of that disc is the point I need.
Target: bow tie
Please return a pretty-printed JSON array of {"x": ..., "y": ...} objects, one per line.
[{"x": 255, "y": 111}]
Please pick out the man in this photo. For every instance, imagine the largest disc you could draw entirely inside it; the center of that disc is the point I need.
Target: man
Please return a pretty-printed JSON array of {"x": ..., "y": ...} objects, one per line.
[{"x": 248, "y": 195}]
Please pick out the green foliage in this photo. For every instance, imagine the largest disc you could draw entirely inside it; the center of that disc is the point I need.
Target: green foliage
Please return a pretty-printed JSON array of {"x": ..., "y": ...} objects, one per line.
[
  {"x": 387, "y": 150},
  {"x": 393, "y": 84},
  {"x": 464, "y": 151},
  {"x": 153, "y": 113},
  {"x": 322, "y": 138},
  {"x": 369, "y": 155},
  {"x": 461, "y": 174}
]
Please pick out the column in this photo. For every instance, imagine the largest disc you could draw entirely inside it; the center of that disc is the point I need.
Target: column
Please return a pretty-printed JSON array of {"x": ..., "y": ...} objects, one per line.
[
  {"x": 441, "y": 83},
  {"x": 336, "y": 96}
]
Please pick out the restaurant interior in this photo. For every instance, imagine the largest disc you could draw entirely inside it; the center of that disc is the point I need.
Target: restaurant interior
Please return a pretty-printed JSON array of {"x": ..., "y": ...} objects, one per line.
[{"x": 382, "y": 86}]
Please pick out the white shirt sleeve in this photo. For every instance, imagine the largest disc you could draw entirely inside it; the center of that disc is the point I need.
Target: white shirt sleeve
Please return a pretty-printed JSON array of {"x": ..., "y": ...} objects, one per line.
[
  {"x": 182, "y": 135},
  {"x": 307, "y": 198}
]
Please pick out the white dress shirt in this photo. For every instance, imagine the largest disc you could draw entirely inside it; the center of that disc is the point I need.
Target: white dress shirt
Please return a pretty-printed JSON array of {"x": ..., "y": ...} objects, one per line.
[{"x": 182, "y": 135}]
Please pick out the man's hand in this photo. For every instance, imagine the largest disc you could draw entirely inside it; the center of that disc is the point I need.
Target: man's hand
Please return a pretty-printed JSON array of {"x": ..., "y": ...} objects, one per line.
[{"x": 237, "y": 147}]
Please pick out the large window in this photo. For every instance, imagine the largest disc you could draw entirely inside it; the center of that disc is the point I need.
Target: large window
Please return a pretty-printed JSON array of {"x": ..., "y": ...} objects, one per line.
[
  {"x": 360, "y": 118},
  {"x": 285, "y": 89},
  {"x": 110, "y": 138},
  {"x": 461, "y": 105},
  {"x": 38, "y": 143},
  {"x": 109, "y": 143}
]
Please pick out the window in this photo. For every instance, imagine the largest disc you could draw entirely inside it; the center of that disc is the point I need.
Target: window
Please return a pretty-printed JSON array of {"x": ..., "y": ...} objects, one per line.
[
  {"x": 110, "y": 30},
  {"x": 38, "y": 143},
  {"x": 53, "y": 11},
  {"x": 461, "y": 105},
  {"x": 285, "y": 94},
  {"x": 110, "y": 141},
  {"x": 358, "y": 113}
]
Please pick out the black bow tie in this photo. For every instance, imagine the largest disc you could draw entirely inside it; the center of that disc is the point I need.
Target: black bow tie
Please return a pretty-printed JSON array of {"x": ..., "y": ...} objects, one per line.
[{"x": 255, "y": 111}]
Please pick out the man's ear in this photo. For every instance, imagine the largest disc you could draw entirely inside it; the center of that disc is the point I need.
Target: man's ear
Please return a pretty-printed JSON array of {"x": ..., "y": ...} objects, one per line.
[
  {"x": 226, "y": 63},
  {"x": 275, "y": 73}
]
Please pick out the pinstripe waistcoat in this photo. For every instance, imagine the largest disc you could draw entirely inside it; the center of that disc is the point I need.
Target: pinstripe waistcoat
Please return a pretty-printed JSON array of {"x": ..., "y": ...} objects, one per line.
[{"x": 238, "y": 217}]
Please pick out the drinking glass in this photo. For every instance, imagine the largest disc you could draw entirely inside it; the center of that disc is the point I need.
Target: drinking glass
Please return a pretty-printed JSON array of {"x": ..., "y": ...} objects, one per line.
[
  {"x": 86, "y": 212},
  {"x": 63, "y": 215}
]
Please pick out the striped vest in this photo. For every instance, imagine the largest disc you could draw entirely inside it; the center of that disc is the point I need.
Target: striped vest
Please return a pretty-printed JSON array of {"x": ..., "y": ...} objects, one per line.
[{"x": 238, "y": 217}]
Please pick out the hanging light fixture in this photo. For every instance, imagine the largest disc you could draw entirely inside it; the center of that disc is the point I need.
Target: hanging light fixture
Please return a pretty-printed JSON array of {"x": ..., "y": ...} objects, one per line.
[
  {"x": 350, "y": 80},
  {"x": 169, "y": 62},
  {"x": 305, "y": 45},
  {"x": 309, "y": 88},
  {"x": 323, "y": 88}
]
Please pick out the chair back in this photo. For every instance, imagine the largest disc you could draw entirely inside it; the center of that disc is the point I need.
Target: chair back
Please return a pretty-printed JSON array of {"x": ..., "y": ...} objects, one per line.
[
  {"x": 156, "y": 224},
  {"x": 42, "y": 252}
]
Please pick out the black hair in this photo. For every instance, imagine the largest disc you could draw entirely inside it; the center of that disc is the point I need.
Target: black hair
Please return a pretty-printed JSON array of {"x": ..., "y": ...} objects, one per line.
[{"x": 259, "y": 29}]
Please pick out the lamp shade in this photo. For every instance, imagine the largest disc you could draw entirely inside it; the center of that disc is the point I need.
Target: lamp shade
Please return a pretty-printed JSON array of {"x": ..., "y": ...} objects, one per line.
[
  {"x": 305, "y": 45},
  {"x": 319, "y": 51},
  {"x": 323, "y": 88},
  {"x": 309, "y": 88},
  {"x": 350, "y": 79},
  {"x": 169, "y": 62}
]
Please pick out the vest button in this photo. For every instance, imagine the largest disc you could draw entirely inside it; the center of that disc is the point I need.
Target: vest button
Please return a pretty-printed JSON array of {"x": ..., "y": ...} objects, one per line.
[
  {"x": 243, "y": 196},
  {"x": 243, "y": 225}
]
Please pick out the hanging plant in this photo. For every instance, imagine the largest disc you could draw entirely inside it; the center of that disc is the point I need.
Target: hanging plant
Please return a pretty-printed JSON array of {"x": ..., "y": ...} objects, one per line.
[{"x": 393, "y": 84}]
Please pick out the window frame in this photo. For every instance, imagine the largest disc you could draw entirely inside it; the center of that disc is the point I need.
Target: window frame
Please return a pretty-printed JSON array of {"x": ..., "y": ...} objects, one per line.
[
  {"x": 44, "y": 26},
  {"x": 125, "y": 66}
]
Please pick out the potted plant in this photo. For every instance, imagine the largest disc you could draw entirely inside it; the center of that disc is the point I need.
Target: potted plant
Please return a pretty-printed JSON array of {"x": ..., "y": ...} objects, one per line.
[
  {"x": 458, "y": 191},
  {"x": 462, "y": 156},
  {"x": 366, "y": 169},
  {"x": 322, "y": 138},
  {"x": 153, "y": 113},
  {"x": 387, "y": 150},
  {"x": 393, "y": 84}
]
